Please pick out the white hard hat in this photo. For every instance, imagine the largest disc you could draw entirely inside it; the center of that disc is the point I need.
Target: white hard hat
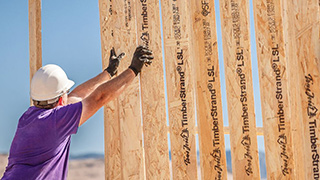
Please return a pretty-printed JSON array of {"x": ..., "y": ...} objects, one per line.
[{"x": 49, "y": 82}]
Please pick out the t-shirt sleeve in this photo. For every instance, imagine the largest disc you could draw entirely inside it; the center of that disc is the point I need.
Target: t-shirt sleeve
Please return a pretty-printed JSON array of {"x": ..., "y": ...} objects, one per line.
[{"x": 67, "y": 119}]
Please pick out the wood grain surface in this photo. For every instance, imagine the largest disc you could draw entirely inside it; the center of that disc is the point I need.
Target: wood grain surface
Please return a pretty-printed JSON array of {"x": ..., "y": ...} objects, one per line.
[
  {"x": 303, "y": 51},
  {"x": 153, "y": 92},
  {"x": 113, "y": 168},
  {"x": 35, "y": 46},
  {"x": 208, "y": 91},
  {"x": 237, "y": 60},
  {"x": 125, "y": 33},
  {"x": 180, "y": 87},
  {"x": 272, "y": 65}
]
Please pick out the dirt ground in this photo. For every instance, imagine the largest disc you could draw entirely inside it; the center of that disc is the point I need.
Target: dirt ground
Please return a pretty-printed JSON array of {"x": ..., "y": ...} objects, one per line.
[{"x": 83, "y": 169}]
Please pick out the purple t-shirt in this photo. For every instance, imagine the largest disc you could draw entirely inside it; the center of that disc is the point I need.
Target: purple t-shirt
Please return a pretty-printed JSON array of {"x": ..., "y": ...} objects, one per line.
[{"x": 40, "y": 148}]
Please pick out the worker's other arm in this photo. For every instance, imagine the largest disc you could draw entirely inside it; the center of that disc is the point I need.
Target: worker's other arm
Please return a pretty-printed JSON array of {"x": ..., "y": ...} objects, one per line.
[
  {"x": 85, "y": 89},
  {"x": 111, "y": 89},
  {"x": 105, "y": 93}
]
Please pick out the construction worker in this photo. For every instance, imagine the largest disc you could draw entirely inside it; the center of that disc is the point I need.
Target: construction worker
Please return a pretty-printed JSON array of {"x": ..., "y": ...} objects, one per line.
[{"x": 40, "y": 148}]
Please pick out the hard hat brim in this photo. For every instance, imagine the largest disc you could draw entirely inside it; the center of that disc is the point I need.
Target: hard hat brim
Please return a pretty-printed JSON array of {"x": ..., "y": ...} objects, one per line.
[{"x": 69, "y": 84}]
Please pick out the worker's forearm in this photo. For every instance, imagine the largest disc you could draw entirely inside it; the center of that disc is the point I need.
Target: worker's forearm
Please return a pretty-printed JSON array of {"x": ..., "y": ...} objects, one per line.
[
  {"x": 105, "y": 93},
  {"x": 86, "y": 88},
  {"x": 116, "y": 86}
]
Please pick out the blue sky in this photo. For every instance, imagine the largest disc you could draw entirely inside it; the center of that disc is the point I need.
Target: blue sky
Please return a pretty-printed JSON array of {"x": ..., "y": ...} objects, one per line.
[{"x": 71, "y": 39}]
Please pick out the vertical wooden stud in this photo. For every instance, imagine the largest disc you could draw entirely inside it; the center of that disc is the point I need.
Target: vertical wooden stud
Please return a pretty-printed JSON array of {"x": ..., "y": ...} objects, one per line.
[
  {"x": 273, "y": 77},
  {"x": 35, "y": 46},
  {"x": 303, "y": 48},
  {"x": 113, "y": 169},
  {"x": 180, "y": 87},
  {"x": 237, "y": 60},
  {"x": 132, "y": 158},
  {"x": 208, "y": 91},
  {"x": 152, "y": 92}
]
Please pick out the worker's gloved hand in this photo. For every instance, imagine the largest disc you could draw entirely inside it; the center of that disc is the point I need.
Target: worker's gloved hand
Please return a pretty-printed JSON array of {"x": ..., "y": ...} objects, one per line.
[
  {"x": 114, "y": 61},
  {"x": 141, "y": 56}
]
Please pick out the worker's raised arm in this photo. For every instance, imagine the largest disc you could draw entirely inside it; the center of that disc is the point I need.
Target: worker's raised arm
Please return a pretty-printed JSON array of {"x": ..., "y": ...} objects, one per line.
[
  {"x": 86, "y": 88},
  {"x": 112, "y": 88}
]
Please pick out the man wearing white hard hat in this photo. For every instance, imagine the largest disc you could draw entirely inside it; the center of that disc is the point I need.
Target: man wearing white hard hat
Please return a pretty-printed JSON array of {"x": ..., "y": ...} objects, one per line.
[{"x": 40, "y": 148}]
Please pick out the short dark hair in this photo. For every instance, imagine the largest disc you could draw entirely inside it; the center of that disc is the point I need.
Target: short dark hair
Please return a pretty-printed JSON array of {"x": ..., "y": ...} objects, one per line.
[{"x": 48, "y": 104}]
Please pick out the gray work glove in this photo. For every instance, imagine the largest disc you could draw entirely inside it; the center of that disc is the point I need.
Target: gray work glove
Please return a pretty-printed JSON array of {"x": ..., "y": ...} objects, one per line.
[
  {"x": 114, "y": 61},
  {"x": 141, "y": 56}
]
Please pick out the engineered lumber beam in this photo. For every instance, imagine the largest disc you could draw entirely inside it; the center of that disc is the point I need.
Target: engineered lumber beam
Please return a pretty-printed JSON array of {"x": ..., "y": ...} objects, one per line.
[
  {"x": 113, "y": 165},
  {"x": 35, "y": 46},
  {"x": 237, "y": 60},
  {"x": 208, "y": 91},
  {"x": 272, "y": 66},
  {"x": 303, "y": 49},
  {"x": 153, "y": 92},
  {"x": 180, "y": 87}
]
